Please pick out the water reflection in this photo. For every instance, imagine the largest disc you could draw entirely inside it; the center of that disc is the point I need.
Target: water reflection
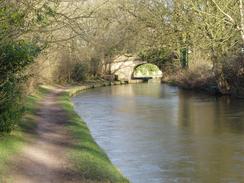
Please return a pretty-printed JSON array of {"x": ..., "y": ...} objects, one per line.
[{"x": 156, "y": 133}]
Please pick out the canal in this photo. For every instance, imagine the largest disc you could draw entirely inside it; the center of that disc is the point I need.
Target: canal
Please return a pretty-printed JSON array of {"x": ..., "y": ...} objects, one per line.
[{"x": 155, "y": 133}]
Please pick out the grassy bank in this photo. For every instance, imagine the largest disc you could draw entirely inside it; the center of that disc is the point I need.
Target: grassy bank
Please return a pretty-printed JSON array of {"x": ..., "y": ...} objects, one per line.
[
  {"x": 12, "y": 143},
  {"x": 87, "y": 157}
]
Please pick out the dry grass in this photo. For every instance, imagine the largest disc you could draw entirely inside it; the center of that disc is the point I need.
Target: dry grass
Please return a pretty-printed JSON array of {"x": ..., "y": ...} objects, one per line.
[{"x": 198, "y": 77}]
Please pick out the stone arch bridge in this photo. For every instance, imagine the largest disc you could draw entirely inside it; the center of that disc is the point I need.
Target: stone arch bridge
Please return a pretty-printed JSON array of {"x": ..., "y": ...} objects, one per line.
[{"x": 123, "y": 67}]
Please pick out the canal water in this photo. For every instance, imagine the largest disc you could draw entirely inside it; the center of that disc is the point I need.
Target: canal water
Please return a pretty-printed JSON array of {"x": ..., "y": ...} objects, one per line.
[{"x": 156, "y": 133}]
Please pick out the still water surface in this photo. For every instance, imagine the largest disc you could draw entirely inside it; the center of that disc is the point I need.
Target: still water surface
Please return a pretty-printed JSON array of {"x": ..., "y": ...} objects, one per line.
[{"x": 156, "y": 133}]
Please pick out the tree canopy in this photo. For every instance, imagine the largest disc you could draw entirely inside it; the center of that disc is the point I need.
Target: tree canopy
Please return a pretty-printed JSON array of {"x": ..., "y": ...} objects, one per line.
[{"x": 70, "y": 37}]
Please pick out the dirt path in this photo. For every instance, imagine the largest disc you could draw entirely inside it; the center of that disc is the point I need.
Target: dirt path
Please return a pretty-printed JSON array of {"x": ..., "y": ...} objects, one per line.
[{"x": 44, "y": 158}]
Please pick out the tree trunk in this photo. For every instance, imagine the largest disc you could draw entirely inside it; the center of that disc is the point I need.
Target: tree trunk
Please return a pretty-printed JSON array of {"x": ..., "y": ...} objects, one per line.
[{"x": 242, "y": 20}]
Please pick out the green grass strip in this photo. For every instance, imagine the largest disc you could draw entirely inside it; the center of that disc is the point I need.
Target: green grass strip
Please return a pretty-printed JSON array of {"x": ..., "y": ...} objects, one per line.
[
  {"x": 88, "y": 158},
  {"x": 11, "y": 144}
]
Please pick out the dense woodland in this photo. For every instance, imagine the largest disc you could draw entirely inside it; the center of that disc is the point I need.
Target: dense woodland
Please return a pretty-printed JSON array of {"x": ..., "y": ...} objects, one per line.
[{"x": 55, "y": 41}]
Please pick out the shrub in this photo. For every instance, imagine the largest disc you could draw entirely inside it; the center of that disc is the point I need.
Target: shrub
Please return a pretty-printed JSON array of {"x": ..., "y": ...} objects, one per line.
[
  {"x": 15, "y": 56},
  {"x": 200, "y": 77},
  {"x": 10, "y": 108},
  {"x": 79, "y": 72},
  {"x": 233, "y": 74}
]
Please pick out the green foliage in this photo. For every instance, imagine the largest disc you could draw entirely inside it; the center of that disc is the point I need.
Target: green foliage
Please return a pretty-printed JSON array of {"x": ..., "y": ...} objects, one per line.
[
  {"x": 17, "y": 52},
  {"x": 80, "y": 72},
  {"x": 12, "y": 20},
  {"x": 147, "y": 69},
  {"x": 11, "y": 144},
  {"x": 14, "y": 58}
]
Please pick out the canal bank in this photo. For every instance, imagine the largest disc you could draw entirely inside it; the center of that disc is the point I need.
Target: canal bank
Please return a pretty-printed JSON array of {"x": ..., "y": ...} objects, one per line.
[
  {"x": 56, "y": 146},
  {"x": 155, "y": 125},
  {"x": 87, "y": 157},
  {"x": 206, "y": 81},
  {"x": 206, "y": 85},
  {"x": 158, "y": 133}
]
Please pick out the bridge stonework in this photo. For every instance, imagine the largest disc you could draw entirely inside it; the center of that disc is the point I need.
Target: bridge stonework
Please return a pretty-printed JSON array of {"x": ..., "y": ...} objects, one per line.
[{"x": 123, "y": 67}]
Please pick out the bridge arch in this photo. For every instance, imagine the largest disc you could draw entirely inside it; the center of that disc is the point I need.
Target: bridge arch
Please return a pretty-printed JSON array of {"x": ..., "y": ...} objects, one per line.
[
  {"x": 146, "y": 70},
  {"x": 124, "y": 67}
]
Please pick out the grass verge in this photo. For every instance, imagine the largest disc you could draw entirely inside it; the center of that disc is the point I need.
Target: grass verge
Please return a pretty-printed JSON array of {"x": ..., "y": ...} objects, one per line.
[
  {"x": 12, "y": 143},
  {"x": 87, "y": 157}
]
